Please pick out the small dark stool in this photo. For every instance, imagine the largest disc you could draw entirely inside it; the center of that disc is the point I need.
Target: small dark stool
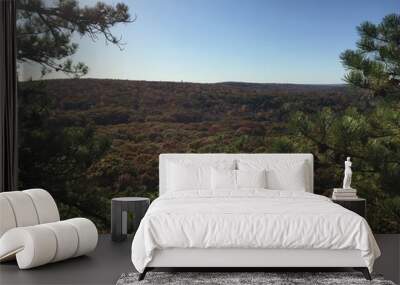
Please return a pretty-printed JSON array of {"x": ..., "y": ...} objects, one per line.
[{"x": 120, "y": 207}]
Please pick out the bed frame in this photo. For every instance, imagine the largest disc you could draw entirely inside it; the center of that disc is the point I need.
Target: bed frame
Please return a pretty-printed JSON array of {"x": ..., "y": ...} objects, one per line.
[{"x": 242, "y": 259}]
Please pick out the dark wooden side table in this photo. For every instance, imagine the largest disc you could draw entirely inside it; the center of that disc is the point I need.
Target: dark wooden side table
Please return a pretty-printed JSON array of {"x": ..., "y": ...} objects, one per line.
[
  {"x": 358, "y": 205},
  {"x": 120, "y": 207}
]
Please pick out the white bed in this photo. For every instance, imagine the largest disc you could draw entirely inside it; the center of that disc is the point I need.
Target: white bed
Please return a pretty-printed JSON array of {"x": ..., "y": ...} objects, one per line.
[{"x": 250, "y": 227}]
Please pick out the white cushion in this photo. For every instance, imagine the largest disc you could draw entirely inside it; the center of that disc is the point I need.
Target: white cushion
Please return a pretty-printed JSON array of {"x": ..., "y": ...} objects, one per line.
[
  {"x": 23, "y": 208},
  {"x": 188, "y": 175},
  {"x": 223, "y": 179},
  {"x": 287, "y": 175},
  {"x": 230, "y": 180},
  {"x": 87, "y": 233},
  {"x": 32, "y": 246},
  {"x": 251, "y": 178},
  {"x": 45, "y": 205},
  {"x": 7, "y": 218},
  {"x": 67, "y": 240}
]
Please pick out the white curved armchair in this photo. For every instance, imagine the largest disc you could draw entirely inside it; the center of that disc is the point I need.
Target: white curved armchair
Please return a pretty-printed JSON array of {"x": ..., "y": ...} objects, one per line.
[{"x": 31, "y": 230}]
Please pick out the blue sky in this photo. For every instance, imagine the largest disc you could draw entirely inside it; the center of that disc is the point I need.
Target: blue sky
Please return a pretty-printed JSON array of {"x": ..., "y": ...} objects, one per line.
[{"x": 282, "y": 41}]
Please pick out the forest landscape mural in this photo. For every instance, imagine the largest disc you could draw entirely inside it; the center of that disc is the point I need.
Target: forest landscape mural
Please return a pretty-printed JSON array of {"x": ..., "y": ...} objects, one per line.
[{"x": 105, "y": 87}]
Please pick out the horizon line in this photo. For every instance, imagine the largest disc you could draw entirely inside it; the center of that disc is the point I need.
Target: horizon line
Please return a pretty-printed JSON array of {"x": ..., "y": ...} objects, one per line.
[{"x": 189, "y": 82}]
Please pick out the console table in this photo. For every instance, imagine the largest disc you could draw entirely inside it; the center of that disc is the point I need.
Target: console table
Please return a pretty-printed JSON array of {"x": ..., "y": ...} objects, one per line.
[{"x": 120, "y": 207}]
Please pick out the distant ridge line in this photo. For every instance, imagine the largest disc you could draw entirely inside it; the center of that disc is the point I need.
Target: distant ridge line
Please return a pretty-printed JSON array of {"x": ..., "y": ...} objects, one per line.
[
  {"x": 273, "y": 83},
  {"x": 231, "y": 83}
]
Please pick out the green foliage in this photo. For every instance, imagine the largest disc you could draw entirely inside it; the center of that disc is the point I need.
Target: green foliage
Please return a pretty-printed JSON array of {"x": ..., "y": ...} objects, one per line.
[
  {"x": 375, "y": 65},
  {"x": 45, "y": 30},
  {"x": 371, "y": 140},
  {"x": 55, "y": 156},
  {"x": 369, "y": 134}
]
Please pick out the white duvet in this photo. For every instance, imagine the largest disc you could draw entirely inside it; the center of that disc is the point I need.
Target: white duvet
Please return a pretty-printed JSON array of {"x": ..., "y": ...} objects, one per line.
[{"x": 250, "y": 219}]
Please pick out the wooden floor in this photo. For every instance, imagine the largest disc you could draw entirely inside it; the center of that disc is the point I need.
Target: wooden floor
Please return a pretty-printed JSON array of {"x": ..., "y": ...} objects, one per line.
[{"x": 110, "y": 260}]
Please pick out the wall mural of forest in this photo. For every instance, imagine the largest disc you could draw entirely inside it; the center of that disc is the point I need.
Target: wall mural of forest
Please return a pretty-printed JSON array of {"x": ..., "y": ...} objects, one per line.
[{"x": 88, "y": 140}]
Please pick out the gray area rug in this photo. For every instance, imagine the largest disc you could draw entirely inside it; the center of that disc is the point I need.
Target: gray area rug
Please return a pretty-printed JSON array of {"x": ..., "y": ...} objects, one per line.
[{"x": 228, "y": 278}]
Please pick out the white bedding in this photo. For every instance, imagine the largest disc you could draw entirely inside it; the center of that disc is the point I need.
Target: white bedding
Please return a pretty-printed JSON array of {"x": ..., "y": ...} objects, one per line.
[{"x": 250, "y": 219}]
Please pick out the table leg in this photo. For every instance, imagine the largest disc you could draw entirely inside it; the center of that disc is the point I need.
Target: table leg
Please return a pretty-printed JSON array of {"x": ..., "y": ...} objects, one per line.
[{"x": 116, "y": 219}]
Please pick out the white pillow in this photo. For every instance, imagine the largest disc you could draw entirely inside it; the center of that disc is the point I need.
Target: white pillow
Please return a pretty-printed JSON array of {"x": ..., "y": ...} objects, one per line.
[
  {"x": 223, "y": 179},
  {"x": 188, "y": 175},
  {"x": 281, "y": 175},
  {"x": 226, "y": 179},
  {"x": 251, "y": 178}
]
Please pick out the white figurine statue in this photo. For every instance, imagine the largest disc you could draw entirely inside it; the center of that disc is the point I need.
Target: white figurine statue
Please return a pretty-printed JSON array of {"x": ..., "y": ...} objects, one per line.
[{"x": 347, "y": 174}]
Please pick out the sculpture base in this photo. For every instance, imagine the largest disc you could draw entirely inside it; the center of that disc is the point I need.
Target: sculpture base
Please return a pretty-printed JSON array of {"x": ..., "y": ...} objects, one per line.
[
  {"x": 344, "y": 190},
  {"x": 344, "y": 193}
]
